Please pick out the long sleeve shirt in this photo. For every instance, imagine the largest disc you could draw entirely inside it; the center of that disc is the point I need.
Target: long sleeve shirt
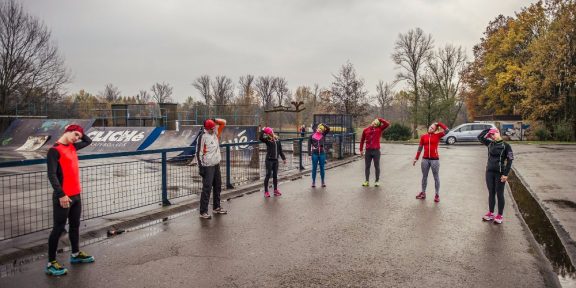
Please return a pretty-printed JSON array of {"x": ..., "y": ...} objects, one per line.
[
  {"x": 273, "y": 147},
  {"x": 429, "y": 143},
  {"x": 208, "y": 146},
  {"x": 63, "y": 168},
  {"x": 318, "y": 145},
  {"x": 371, "y": 135},
  {"x": 500, "y": 155}
]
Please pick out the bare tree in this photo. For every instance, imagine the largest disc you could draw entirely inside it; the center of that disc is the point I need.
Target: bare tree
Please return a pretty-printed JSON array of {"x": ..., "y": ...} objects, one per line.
[
  {"x": 384, "y": 95},
  {"x": 348, "y": 94},
  {"x": 202, "y": 84},
  {"x": 281, "y": 89},
  {"x": 110, "y": 94},
  {"x": 30, "y": 65},
  {"x": 265, "y": 88},
  {"x": 445, "y": 69},
  {"x": 411, "y": 52},
  {"x": 162, "y": 92},
  {"x": 223, "y": 90},
  {"x": 246, "y": 86},
  {"x": 143, "y": 97}
]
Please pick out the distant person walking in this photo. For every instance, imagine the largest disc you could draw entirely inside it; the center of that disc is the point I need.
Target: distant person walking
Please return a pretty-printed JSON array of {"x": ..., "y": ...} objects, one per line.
[
  {"x": 208, "y": 155},
  {"x": 431, "y": 158},
  {"x": 273, "y": 151},
  {"x": 317, "y": 150},
  {"x": 64, "y": 176},
  {"x": 500, "y": 157},
  {"x": 302, "y": 130},
  {"x": 371, "y": 138}
]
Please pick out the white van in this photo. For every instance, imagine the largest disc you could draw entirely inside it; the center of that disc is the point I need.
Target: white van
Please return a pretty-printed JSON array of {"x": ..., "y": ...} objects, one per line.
[{"x": 467, "y": 132}]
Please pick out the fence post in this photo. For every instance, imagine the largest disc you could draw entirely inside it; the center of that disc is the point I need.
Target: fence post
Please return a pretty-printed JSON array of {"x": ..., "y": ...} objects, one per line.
[
  {"x": 340, "y": 146},
  {"x": 301, "y": 152},
  {"x": 228, "y": 163},
  {"x": 165, "y": 201},
  {"x": 353, "y": 143}
]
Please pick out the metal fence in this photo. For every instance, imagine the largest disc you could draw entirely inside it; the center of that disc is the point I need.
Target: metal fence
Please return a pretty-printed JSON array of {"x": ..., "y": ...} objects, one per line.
[{"x": 118, "y": 182}]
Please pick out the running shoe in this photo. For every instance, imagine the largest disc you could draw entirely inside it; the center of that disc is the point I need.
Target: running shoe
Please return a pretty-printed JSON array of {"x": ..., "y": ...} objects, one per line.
[
  {"x": 266, "y": 194},
  {"x": 365, "y": 184},
  {"x": 323, "y": 184},
  {"x": 498, "y": 219},
  {"x": 219, "y": 210},
  {"x": 205, "y": 216},
  {"x": 277, "y": 193},
  {"x": 82, "y": 257},
  {"x": 313, "y": 185},
  {"x": 421, "y": 195},
  {"x": 488, "y": 217},
  {"x": 437, "y": 198},
  {"x": 376, "y": 184},
  {"x": 55, "y": 269}
]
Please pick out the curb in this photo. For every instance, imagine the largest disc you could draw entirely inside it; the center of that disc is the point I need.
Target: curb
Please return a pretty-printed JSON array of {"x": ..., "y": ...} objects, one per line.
[
  {"x": 99, "y": 232},
  {"x": 568, "y": 243},
  {"x": 545, "y": 266}
]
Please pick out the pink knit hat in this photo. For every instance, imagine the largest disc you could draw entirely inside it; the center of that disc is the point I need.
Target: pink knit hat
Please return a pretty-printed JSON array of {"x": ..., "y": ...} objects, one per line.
[
  {"x": 268, "y": 130},
  {"x": 493, "y": 131}
]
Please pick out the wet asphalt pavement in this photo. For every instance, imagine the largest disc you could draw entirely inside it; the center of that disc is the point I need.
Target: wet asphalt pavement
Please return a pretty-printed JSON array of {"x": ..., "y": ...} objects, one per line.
[{"x": 343, "y": 235}]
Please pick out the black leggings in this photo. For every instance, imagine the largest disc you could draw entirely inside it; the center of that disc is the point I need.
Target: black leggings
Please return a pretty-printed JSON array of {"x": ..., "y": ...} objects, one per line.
[
  {"x": 271, "y": 170},
  {"x": 71, "y": 214},
  {"x": 372, "y": 155},
  {"x": 495, "y": 188}
]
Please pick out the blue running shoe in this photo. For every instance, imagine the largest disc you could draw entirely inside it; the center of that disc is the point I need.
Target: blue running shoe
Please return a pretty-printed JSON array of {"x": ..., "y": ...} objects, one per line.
[
  {"x": 55, "y": 269},
  {"x": 82, "y": 257}
]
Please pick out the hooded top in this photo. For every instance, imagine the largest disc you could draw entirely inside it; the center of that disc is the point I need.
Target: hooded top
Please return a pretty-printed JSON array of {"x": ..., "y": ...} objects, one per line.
[
  {"x": 500, "y": 155},
  {"x": 208, "y": 147},
  {"x": 429, "y": 143},
  {"x": 317, "y": 141},
  {"x": 371, "y": 135}
]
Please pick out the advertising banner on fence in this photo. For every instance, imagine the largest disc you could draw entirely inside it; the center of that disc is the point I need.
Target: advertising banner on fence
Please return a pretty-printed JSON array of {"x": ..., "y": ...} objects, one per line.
[{"x": 120, "y": 139}]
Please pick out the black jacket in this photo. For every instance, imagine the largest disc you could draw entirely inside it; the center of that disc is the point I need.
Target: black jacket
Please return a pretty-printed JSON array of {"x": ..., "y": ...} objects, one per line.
[
  {"x": 318, "y": 146},
  {"x": 500, "y": 155},
  {"x": 273, "y": 148}
]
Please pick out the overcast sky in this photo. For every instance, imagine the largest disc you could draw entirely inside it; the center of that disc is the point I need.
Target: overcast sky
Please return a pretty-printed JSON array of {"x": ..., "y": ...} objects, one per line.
[{"x": 134, "y": 44}]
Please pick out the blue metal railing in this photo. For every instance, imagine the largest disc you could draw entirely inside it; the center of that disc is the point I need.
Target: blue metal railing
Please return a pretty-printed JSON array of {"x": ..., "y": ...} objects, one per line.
[{"x": 123, "y": 181}]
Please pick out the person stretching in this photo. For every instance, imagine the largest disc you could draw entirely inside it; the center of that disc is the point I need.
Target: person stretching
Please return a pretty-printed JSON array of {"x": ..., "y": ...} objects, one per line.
[
  {"x": 208, "y": 155},
  {"x": 371, "y": 137},
  {"x": 64, "y": 176},
  {"x": 431, "y": 158},
  {"x": 500, "y": 157},
  {"x": 317, "y": 149},
  {"x": 273, "y": 150}
]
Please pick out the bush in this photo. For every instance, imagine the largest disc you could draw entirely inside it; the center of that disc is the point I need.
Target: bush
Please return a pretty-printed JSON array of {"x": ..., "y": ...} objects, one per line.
[
  {"x": 542, "y": 134},
  {"x": 397, "y": 132},
  {"x": 563, "y": 132}
]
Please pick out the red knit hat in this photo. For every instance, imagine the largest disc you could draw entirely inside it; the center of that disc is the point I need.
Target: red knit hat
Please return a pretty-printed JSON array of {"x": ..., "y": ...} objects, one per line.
[
  {"x": 74, "y": 128},
  {"x": 209, "y": 124}
]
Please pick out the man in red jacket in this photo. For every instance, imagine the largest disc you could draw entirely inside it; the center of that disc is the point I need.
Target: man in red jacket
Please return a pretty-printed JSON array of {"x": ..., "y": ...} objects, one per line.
[
  {"x": 64, "y": 175},
  {"x": 371, "y": 137}
]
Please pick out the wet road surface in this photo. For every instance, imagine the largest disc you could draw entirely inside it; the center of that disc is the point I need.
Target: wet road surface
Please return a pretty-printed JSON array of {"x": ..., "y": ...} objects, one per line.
[{"x": 343, "y": 235}]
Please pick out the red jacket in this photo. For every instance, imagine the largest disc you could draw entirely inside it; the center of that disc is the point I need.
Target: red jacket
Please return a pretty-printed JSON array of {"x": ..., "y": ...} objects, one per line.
[
  {"x": 429, "y": 142},
  {"x": 371, "y": 135}
]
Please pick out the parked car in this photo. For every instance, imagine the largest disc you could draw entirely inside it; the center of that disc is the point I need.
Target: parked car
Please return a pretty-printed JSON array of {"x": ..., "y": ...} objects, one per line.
[{"x": 467, "y": 132}]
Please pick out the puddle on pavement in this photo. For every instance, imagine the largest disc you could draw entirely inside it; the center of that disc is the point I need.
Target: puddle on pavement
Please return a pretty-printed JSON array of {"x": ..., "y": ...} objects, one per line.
[
  {"x": 543, "y": 232},
  {"x": 567, "y": 204}
]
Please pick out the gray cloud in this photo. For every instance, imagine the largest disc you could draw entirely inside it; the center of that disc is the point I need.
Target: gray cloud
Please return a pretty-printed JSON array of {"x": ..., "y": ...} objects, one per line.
[{"x": 134, "y": 44}]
